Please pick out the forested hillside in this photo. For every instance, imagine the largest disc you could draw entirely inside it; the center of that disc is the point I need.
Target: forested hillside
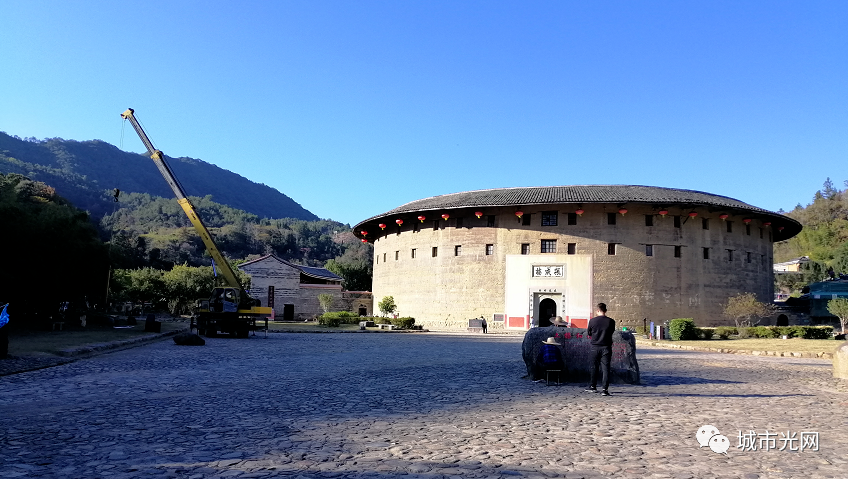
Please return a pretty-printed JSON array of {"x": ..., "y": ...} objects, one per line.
[
  {"x": 824, "y": 238},
  {"x": 85, "y": 173}
]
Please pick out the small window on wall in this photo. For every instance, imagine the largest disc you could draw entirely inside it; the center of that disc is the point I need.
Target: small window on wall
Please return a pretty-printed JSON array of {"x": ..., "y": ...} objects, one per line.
[
  {"x": 415, "y": 227},
  {"x": 748, "y": 230},
  {"x": 761, "y": 233},
  {"x": 435, "y": 225},
  {"x": 706, "y": 253},
  {"x": 748, "y": 257},
  {"x": 549, "y": 246},
  {"x": 572, "y": 218},
  {"x": 397, "y": 255},
  {"x": 677, "y": 221},
  {"x": 649, "y": 220},
  {"x": 459, "y": 222},
  {"x": 730, "y": 227},
  {"x": 611, "y": 249},
  {"x": 490, "y": 249},
  {"x": 678, "y": 251},
  {"x": 525, "y": 248},
  {"x": 457, "y": 250},
  {"x": 549, "y": 218},
  {"x": 490, "y": 221},
  {"x": 610, "y": 218},
  {"x": 730, "y": 255},
  {"x": 705, "y": 223},
  {"x": 572, "y": 248},
  {"x": 525, "y": 220},
  {"x": 435, "y": 251},
  {"x": 378, "y": 259},
  {"x": 384, "y": 257},
  {"x": 414, "y": 251},
  {"x": 649, "y": 250}
]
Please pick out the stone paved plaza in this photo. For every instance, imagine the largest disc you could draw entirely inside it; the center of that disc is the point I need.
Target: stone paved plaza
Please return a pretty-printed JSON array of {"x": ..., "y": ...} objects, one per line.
[{"x": 415, "y": 405}]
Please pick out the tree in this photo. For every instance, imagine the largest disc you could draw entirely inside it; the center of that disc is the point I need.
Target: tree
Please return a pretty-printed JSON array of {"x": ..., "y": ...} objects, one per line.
[
  {"x": 387, "y": 305},
  {"x": 326, "y": 301},
  {"x": 743, "y": 307},
  {"x": 839, "y": 308}
]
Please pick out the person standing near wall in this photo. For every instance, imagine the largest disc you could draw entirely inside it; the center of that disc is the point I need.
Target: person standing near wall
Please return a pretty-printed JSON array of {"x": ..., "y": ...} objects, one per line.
[{"x": 600, "y": 331}]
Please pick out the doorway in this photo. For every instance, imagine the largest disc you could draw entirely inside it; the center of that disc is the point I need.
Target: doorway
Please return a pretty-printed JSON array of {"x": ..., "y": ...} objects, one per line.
[
  {"x": 288, "y": 312},
  {"x": 547, "y": 310}
]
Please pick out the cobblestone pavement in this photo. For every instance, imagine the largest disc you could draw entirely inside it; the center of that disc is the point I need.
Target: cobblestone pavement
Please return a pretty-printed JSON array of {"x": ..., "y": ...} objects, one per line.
[{"x": 415, "y": 405}]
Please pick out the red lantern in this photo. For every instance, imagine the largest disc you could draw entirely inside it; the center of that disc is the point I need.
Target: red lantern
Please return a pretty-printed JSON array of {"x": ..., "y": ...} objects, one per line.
[
  {"x": 399, "y": 221},
  {"x": 723, "y": 216},
  {"x": 663, "y": 212},
  {"x": 746, "y": 220},
  {"x": 780, "y": 228},
  {"x": 580, "y": 212},
  {"x": 519, "y": 213},
  {"x": 478, "y": 214},
  {"x": 767, "y": 223},
  {"x": 623, "y": 211},
  {"x": 364, "y": 233},
  {"x": 445, "y": 216},
  {"x": 364, "y": 240},
  {"x": 693, "y": 214},
  {"x": 382, "y": 226},
  {"x": 422, "y": 218}
]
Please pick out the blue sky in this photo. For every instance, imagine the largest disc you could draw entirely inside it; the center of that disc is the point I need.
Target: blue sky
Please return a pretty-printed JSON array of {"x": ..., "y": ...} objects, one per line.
[{"x": 353, "y": 108}]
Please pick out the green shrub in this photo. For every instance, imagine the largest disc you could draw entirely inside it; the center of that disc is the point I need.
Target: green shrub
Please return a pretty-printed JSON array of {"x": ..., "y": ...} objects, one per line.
[
  {"x": 784, "y": 331},
  {"x": 329, "y": 321},
  {"x": 742, "y": 332},
  {"x": 763, "y": 332},
  {"x": 681, "y": 329},
  {"x": 725, "y": 332},
  {"x": 818, "y": 332},
  {"x": 705, "y": 333},
  {"x": 797, "y": 331},
  {"x": 401, "y": 323},
  {"x": 344, "y": 317}
]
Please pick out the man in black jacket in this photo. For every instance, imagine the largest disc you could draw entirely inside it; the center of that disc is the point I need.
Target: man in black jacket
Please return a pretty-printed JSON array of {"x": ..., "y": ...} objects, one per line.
[{"x": 600, "y": 331}]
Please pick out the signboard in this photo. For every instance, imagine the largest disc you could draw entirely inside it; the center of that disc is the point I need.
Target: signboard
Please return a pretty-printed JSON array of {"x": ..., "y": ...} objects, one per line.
[{"x": 548, "y": 271}]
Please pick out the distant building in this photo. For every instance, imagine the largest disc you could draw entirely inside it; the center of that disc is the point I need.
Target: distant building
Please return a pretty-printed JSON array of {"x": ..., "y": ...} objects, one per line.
[
  {"x": 519, "y": 256},
  {"x": 791, "y": 266},
  {"x": 293, "y": 289}
]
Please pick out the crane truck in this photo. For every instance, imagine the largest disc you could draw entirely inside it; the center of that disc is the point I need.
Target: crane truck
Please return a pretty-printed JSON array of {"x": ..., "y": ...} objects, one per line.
[{"x": 230, "y": 309}]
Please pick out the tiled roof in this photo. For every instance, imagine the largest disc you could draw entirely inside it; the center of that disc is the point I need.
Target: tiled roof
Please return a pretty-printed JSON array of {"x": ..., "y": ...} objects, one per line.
[
  {"x": 320, "y": 273},
  {"x": 583, "y": 194}
]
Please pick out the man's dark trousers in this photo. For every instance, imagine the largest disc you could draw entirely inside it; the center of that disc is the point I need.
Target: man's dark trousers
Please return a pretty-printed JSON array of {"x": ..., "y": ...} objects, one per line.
[{"x": 600, "y": 356}]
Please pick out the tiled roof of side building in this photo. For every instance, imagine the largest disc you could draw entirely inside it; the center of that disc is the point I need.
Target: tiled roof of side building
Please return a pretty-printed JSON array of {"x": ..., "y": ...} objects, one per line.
[
  {"x": 320, "y": 273},
  {"x": 583, "y": 194}
]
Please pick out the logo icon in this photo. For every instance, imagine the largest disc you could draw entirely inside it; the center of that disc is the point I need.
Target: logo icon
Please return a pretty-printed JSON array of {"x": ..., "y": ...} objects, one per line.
[{"x": 708, "y": 435}]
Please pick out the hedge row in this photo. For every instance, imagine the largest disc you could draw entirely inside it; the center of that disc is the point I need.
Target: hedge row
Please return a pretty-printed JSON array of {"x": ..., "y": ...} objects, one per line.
[
  {"x": 336, "y": 318},
  {"x": 724, "y": 332}
]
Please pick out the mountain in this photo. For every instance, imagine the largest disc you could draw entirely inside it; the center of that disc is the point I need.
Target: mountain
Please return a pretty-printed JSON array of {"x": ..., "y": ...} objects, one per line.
[{"x": 86, "y": 173}]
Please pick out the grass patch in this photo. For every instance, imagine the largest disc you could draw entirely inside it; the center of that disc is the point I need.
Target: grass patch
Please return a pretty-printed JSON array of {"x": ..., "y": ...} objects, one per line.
[
  {"x": 779, "y": 345},
  {"x": 47, "y": 343}
]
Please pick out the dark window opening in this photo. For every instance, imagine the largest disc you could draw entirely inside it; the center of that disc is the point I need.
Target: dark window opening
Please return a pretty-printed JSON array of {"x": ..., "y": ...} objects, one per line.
[
  {"x": 705, "y": 223},
  {"x": 572, "y": 218},
  {"x": 572, "y": 248},
  {"x": 457, "y": 250},
  {"x": 761, "y": 233},
  {"x": 397, "y": 255},
  {"x": 525, "y": 248},
  {"x": 748, "y": 257},
  {"x": 649, "y": 220},
  {"x": 490, "y": 221},
  {"x": 677, "y": 221},
  {"x": 677, "y": 251},
  {"x": 730, "y": 255},
  {"x": 706, "y": 253},
  {"x": 549, "y": 218},
  {"x": 435, "y": 251},
  {"x": 548, "y": 246},
  {"x": 490, "y": 249},
  {"x": 649, "y": 250},
  {"x": 748, "y": 230},
  {"x": 525, "y": 220},
  {"x": 413, "y": 252},
  {"x": 730, "y": 227},
  {"x": 611, "y": 248},
  {"x": 611, "y": 218},
  {"x": 435, "y": 225}
]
